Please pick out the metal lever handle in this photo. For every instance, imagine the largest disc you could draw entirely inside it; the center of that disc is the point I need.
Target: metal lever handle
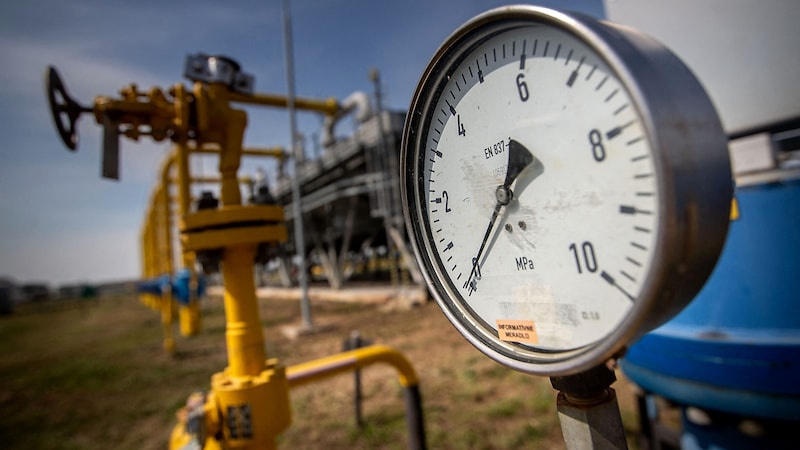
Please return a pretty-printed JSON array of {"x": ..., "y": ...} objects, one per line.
[
  {"x": 110, "y": 164},
  {"x": 64, "y": 109}
]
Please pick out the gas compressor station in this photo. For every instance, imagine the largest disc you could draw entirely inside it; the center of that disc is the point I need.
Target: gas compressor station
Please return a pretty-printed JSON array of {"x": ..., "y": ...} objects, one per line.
[{"x": 578, "y": 196}]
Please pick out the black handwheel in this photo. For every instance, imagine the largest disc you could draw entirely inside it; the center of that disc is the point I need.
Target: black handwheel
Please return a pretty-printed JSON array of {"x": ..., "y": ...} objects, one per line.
[{"x": 64, "y": 109}]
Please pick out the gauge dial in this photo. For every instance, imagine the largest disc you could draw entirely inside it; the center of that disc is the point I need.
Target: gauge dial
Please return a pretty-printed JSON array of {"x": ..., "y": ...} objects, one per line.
[{"x": 541, "y": 193}]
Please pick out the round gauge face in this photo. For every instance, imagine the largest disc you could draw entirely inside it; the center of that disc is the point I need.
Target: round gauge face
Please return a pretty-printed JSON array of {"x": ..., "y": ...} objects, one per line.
[{"x": 533, "y": 189}]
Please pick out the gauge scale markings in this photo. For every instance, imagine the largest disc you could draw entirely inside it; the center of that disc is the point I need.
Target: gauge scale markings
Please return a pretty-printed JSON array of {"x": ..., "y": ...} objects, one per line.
[
  {"x": 471, "y": 284},
  {"x": 570, "y": 82},
  {"x": 627, "y": 275},
  {"x": 572, "y": 77}
]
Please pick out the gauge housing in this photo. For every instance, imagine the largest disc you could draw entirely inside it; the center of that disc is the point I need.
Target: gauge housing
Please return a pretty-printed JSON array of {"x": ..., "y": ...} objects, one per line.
[{"x": 691, "y": 163}]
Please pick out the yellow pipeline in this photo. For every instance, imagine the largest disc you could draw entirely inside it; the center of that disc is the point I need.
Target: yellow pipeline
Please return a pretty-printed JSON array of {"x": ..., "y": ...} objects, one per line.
[
  {"x": 245, "y": 340},
  {"x": 147, "y": 260},
  {"x": 166, "y": 257},
  {"x": 144, "y": 297},
  {"x": 313, "y": 371},
  {"x": 164, "y": 201},
  {"x": 156, "y": 247},
  {"x": 276, "y": 152},
  {"x": 249, "y": 404},
  {"x": 251, "y": 395},
  {"x": 211, "y": 180},
  {"x": 190, "y": 317},
  {"x": 328, "y": 106},
  {"x": 246, "y": 356},
  {"x": 157, "y": 255},
  {"x": 152, "y": 253},
  {"x": 164, "y": 260}
]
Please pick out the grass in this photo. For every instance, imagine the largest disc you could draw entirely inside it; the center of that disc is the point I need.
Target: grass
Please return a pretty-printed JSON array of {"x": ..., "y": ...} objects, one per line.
[{"x": 94, "y": 375}]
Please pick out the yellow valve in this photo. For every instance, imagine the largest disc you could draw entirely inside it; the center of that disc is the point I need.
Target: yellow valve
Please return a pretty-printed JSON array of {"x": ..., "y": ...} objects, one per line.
[
  {"x": 255, "y": 410},
  {"x": 247, "y": 412},
  {"x": 163, "y": 116}
]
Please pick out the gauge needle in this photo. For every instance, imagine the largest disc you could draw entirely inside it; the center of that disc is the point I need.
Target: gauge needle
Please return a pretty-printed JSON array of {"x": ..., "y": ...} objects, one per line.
[{"x": 519, "y": 158}]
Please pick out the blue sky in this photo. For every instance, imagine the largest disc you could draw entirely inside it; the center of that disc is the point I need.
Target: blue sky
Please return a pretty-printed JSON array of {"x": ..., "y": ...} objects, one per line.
[{"x": 59, "y": 221}]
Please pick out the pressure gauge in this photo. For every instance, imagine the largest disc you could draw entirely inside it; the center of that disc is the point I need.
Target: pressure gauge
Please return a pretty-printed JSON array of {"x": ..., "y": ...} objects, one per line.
[{"x": 566, "y": 185}]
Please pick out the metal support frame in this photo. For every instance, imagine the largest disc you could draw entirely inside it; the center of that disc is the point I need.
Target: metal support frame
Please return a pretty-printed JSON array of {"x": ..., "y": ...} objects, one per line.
[
  {"x": 355, "y": 341},
  {"x": 588, "y": 410},
  {"x": 653, "y": 434}
]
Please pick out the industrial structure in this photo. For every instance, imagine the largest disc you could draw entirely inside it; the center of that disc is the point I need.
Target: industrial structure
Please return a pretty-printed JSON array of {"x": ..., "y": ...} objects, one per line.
[{"x": 351, "y": 206}]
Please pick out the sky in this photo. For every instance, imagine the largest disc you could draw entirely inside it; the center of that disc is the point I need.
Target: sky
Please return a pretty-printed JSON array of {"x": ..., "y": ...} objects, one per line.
[{"x": 60, "y": 222}]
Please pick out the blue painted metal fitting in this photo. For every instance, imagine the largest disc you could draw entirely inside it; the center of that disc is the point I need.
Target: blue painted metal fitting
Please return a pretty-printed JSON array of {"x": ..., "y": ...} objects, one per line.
[
  {"x": 180, "y": 286},
  {"x": 736, "y": 347},
  {"x": 155, "y": 286}
]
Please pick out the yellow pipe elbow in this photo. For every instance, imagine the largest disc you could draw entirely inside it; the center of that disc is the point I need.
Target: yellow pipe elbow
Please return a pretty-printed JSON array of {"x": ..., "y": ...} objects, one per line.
[{"x": 312, "y": 371}]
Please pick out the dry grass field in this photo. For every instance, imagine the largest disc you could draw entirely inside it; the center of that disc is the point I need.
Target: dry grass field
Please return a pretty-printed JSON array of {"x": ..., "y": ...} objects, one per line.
[{"x": 93, "y": 375}]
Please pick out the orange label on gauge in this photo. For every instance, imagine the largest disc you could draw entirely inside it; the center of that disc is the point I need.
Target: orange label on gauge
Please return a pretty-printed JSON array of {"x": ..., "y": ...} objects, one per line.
[{"x": 522, "y": 331}]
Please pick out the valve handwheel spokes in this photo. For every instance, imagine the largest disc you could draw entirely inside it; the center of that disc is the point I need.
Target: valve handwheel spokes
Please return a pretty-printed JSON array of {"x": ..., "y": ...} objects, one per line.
[{"x": 64, "y": 109}]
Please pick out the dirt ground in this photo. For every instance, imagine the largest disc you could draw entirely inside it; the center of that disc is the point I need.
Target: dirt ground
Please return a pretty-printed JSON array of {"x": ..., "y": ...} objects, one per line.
[{"x": 95, "y": 376}]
